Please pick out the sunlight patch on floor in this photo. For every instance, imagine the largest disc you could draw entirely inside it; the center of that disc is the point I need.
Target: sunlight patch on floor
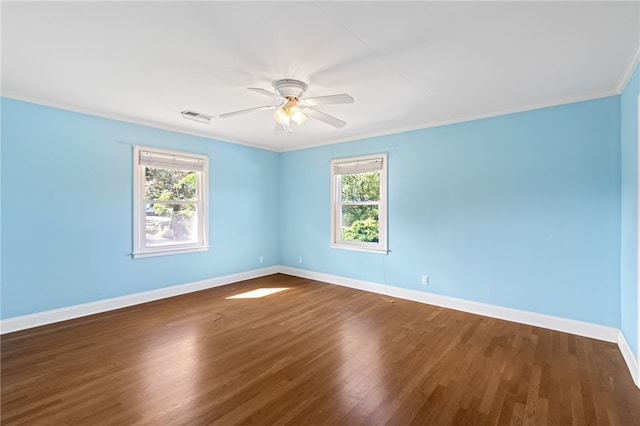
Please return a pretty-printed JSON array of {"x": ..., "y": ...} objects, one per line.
[{"x": 258, "y": 293}]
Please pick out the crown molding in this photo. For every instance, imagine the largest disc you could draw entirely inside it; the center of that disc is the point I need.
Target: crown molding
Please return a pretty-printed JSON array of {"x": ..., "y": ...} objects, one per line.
[
  {"x": 628, "y": 71},
  {"x": 473, "y": 117},
  {"x": 352, "y": 138},
  {"x": 130, "y": 120}
]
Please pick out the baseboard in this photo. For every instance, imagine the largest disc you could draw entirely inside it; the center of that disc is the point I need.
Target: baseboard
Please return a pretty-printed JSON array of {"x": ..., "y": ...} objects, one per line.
[
  {"x": 579, "y": 328},
  {"x": 56, "y": 315},
  {"x": 631, "y": 361},
  {"x": 595, "y": 331}
]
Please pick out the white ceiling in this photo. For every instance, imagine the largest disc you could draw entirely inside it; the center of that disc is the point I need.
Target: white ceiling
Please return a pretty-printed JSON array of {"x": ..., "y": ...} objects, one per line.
[{"x": 407, "y": 64}]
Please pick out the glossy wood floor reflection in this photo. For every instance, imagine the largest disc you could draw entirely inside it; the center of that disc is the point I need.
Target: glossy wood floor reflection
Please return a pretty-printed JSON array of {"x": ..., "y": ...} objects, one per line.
[{"x": 314, "y": 354}]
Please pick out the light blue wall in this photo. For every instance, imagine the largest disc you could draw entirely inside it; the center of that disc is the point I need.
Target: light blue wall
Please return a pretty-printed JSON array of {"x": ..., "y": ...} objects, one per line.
[
  {"x": 521, "y": 211},
  {"x": 629, "y": 203},
  {"x": 67, "y": 210}
]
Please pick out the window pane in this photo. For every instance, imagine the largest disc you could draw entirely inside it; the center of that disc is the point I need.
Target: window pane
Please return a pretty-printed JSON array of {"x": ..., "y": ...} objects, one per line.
[
  {"x": 165, "y": 184},
  {"x": 171, "y": 224},
  {"x": 360, "y": 223},
  {"x": 360, "y": 187}
]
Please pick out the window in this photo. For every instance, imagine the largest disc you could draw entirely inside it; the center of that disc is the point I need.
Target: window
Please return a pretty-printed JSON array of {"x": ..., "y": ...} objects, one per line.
[
  {"x": 359, "y": 203},
  {"x": 170, "y": 202}
]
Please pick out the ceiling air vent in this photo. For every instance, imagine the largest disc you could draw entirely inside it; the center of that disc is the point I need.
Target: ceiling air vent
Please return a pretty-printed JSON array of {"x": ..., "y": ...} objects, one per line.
[{"x": 196, "y": 116}]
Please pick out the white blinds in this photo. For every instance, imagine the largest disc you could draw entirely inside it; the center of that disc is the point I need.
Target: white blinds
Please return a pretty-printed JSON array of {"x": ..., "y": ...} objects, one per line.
[
  {"x": 361, "y": 166},
  {"x": 168, "y": 161}
]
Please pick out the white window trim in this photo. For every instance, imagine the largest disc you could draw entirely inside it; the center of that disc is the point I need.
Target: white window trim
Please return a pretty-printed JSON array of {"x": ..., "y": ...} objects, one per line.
[
  {"x": 139, "y": 205},
  {"x": 381, "y": 247}
]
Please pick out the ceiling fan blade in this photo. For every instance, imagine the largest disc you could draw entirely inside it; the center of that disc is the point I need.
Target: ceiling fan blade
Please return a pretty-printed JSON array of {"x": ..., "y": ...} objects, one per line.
[
  {"x": 335, "y": 122},
  {"x": 331, "y": 99},
  {"x": 244, "y": 111},
  {"x": 265, "y": 92}
]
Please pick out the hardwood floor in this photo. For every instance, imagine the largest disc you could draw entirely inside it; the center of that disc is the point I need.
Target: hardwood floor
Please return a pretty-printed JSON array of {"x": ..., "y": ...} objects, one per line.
[{"x": 314, "y": 354}]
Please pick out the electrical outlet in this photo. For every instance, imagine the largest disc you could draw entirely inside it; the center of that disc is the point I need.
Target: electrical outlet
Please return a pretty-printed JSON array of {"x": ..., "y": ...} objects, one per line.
[
  {"x": 261, "y": 259},
  {"x": 425, "y": 280},
  {"x": 299, "y": 259}
]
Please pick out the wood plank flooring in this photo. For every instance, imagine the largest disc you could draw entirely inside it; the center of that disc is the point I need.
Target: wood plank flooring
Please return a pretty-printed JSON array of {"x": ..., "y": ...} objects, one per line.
[{"x": 314, "y": 354}]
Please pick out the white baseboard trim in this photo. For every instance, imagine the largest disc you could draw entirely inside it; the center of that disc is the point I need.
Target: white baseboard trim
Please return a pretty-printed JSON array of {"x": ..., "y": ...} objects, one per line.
[
  {"x": 631, "y": 361},
  {"x": 56, "y": 315},
  {"x": 580, "y": 328}
]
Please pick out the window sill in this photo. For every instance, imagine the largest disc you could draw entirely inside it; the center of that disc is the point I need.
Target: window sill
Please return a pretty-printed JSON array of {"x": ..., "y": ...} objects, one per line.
[
  {"x": 357, "y": 248},
  {"x": 168, "y": 251}
]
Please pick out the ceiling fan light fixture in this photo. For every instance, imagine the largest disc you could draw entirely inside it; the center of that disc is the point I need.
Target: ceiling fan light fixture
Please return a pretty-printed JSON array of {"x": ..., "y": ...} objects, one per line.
[
  {"x": 298, "y": 116},
  {"x": 282, "y": 117},
  {"x": 290, "y": 111},
  {"x": 294, "y": 106}
]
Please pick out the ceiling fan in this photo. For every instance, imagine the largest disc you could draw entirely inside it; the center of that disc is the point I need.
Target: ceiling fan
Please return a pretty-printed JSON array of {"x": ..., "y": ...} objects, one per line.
[{"x": 293, "y": 106}]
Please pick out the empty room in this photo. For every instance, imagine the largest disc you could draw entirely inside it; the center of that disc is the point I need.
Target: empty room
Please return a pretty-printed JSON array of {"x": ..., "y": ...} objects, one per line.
[{"x": 320, "y": 213}]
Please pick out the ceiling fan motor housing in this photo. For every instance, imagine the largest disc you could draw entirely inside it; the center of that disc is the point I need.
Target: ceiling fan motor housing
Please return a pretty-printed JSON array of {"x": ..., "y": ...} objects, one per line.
[{"x": 288, "y": 88}]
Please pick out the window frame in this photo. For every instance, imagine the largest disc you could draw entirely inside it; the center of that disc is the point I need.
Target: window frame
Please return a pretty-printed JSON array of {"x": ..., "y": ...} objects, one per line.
[
  {"x": 140, "y": 248},
  {"x": 381, "y": 247}
]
